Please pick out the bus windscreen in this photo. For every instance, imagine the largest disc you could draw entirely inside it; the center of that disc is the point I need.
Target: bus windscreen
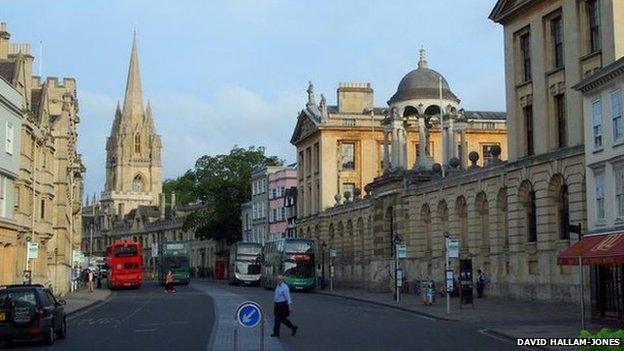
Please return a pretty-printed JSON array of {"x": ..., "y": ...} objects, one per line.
[
  {"x": 249, "y": 249},
  {"x": 299, "y": 247}
]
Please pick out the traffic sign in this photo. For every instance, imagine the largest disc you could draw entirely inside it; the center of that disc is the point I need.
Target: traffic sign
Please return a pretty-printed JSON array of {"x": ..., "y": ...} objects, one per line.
[
  {"x": 401, "y": 250},
  {"x": 449, "y": 281},
  {"x": 453, "y": 248},
  {"x": 249, "y": 314},
  {"x": 33, "y": 250}
]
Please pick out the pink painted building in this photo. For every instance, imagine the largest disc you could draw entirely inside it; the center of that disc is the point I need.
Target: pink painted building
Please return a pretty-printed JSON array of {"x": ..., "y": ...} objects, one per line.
[{"x": 278, "y": 183}]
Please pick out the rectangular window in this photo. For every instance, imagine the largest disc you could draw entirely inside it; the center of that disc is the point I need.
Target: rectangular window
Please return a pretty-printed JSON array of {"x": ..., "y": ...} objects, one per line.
[
  {"x": 487, "y": 153},
  {"x": 525, "y": 51},
  {"x": 3, "y": 212},
  {"x": 593, "y": 14},
  {"x": 597, "y": 122},
  {"x": 616, "y": 112},
  {"x": 283, "y": 213},
  {"x": 348, "y": 156},
  {"x": 317, "y": 158},
  {"x": 8, "y": 146},
  {"x": 599, "y": 184},
  {"x": 560, "y": 113},
  {"x": 300, "y": 165},
  {"x": 348, "y": 188},
  {"x": 557, "y": 39},
  {"x": 619, "y": 192},
  {"x": 42, "y": 209},
  {"x": 528, "y": 121},
  {"x": 309, "y": 161}
]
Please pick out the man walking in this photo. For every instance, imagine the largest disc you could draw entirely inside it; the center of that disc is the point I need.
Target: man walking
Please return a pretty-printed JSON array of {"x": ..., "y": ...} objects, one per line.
[{"x": 283, "y": 307}]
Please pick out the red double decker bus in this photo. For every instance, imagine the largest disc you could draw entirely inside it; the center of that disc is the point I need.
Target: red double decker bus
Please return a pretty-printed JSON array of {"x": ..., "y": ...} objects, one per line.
[{"x": 125, "y": 262}]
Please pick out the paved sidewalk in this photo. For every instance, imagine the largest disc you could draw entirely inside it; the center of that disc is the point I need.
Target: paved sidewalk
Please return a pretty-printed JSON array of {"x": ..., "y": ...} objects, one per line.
[
  {"x": 506, "y": 317},
  {"x": 81, "y": 299}
]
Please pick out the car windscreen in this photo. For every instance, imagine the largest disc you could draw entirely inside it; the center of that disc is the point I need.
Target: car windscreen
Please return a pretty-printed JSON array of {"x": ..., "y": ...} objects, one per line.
[
  {"x": 125, "y": 251},
  {"x": 18, "y": 295}
]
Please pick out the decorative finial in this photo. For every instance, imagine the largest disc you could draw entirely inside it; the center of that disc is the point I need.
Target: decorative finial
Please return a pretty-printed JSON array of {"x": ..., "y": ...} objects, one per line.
[
  {"x": 311, "y": 98},
  {"x": 423, "y": 58}
]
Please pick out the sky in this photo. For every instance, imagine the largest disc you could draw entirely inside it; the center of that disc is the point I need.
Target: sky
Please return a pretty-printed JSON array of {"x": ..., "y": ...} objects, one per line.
[{"x": 235, "y": 72}]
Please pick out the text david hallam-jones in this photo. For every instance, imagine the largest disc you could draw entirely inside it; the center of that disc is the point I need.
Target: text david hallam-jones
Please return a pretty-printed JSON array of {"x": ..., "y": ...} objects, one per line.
[{"x": 568, "y": 342}]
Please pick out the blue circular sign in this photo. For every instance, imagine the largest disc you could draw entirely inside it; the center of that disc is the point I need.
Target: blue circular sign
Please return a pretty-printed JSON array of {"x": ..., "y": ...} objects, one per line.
[{"x": 249, "y": 314}]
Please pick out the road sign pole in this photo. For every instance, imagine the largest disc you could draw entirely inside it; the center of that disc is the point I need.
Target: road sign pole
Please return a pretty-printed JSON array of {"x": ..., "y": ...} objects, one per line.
[
  {"x": 396, "y": 273},
  {"x": 262, "y": 333},
  {"x": 235, "y": 340}
]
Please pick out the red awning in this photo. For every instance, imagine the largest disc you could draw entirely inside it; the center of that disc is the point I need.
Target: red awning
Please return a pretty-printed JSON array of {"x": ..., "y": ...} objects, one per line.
[{"x": 599, "y": 249}]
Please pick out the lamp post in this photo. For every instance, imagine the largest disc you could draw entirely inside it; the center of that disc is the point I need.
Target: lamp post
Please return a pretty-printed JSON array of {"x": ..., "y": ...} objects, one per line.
[
  {"x": 447, "y": 237},
  {"x": 323, "y": 248}
]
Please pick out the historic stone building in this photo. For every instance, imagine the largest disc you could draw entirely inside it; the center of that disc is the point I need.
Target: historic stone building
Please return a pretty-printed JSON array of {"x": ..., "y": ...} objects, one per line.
[
  {"x": 48, "y": 188},
  {"x": 341, "y": 148},
  {"x": 512, "y": 218},
  {"x": 133, "y": 166},
  {"x": 132, "y": 206}
]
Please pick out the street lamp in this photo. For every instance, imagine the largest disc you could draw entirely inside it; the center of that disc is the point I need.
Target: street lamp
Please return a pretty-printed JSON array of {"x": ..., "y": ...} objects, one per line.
[
  {"x": 447, "y": 237},
  {"x": 323, "y": 248}
]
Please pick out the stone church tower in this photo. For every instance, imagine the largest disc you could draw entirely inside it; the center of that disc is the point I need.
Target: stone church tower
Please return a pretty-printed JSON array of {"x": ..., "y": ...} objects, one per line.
[{"x": 133, "y": 166}]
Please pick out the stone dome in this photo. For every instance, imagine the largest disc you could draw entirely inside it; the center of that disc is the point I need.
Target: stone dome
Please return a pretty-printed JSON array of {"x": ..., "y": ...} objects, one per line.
[{"x": 422, "y": 83}]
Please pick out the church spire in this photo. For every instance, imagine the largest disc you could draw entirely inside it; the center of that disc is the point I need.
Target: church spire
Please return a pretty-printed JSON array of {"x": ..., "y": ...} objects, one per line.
[{"x": 133, "y": 100}]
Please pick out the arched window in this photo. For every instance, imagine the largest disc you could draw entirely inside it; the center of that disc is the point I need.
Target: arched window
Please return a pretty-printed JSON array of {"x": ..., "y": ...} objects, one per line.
[
  {"x": 527, "y": 197},
  {"x": 425, "y": 217},
  {"x": 563, "y": 206},
  {"x": 390, "y": 227},
  {"x": 461, "y": 211},
  {"x": 137, "y": 143},
  {"x": 483, "y": 211},
  {"x": 137, "y": 183}
]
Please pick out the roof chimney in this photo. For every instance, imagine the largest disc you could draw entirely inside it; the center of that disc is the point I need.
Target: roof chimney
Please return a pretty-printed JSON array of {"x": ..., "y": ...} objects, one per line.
[{"x": 4, "y": 41}]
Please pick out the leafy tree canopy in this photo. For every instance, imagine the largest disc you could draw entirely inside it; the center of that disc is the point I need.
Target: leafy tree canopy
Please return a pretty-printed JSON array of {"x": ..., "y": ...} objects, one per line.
[{"x": 222, "y": 183}]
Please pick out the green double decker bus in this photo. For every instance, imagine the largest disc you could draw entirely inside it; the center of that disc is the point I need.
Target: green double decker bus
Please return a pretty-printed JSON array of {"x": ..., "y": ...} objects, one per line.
[
  {"x": 174, "y": 256},
  {"x": 292, "y": 258}
]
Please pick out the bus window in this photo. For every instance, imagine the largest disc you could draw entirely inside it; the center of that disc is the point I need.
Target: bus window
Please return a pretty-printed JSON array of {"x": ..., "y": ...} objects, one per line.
[{"x": 125, "y": 251}]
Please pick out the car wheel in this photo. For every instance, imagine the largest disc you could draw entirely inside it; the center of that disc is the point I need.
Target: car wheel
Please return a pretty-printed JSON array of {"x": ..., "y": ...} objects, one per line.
[
  {"x": 48, "y": 337},
  {"x": 61, "y": 334}
]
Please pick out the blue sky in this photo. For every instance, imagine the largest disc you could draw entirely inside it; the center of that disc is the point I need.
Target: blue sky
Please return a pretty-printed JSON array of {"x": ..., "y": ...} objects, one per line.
[{"x": 224, "y": 73}]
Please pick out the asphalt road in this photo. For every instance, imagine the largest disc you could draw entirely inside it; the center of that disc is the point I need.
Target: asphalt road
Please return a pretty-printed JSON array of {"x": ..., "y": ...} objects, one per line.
[
  {"x": 143, "y": 319},
  {"x": 330, "y": 323},
  {"x": 150, "y": 319}
]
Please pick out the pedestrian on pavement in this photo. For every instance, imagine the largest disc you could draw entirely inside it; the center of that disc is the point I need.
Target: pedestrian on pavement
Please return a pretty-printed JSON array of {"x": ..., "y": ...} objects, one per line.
[
  {"x": 481, "y": 282},
  {"x": 283, "y": 307},
  {"x": 74, "y": 278},
  {"x": 169, "y": 282},
  {"x": 90, "y": 280}
]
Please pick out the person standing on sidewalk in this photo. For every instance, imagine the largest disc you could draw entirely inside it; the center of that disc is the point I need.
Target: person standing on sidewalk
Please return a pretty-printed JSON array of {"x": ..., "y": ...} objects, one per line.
[
  {"x": 90, "y": 280},
  {"x": 481, "y": 282},
  {"x": 283, "y": 307}
]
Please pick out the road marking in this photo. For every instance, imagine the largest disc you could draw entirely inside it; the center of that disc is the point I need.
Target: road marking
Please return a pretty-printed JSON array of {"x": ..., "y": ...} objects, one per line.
[
  {"x": 145, "y": 330},
  {"x": 507, "y": 340},
  {"x": 180, "y": 323}
]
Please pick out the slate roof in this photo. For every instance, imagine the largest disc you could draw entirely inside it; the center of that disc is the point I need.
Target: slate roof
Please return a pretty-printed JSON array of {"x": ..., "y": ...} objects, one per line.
[
  {"x": 7, "y": 69},
  {"x": 486, "y": 115}
]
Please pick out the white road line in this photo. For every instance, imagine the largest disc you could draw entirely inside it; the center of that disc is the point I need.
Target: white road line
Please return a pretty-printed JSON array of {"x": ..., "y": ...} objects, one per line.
[
  {"x": 488, "y": 333},
  {"x": 180, "y": 323},
  {"x": 145, "y": 330}
]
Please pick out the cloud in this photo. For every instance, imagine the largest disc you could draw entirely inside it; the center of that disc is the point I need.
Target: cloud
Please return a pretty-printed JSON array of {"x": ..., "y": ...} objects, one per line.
[{"x": 192, "y": 126}]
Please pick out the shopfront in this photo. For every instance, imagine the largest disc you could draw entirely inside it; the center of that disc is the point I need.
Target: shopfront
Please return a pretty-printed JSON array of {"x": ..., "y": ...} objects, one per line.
[{"x": 604, "y": 254}]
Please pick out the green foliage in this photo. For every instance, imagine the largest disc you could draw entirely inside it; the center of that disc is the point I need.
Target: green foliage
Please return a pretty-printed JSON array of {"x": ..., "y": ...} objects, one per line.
[
  {"x": 184, "y": 188},
  {"x": 223, "y": 183},
  {"x": 604, "y": 333}
]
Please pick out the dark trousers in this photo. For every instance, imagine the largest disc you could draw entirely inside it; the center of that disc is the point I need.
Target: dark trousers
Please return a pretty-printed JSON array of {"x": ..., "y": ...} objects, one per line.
[
  {"x": 480, "y": 287},
  {"x": 281, "y": 316}
]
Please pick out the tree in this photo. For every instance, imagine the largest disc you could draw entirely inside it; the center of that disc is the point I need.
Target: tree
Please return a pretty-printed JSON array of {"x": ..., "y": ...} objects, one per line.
[
  {"x": 183, "y": 187},
  {"x": 223, "y": 183}
]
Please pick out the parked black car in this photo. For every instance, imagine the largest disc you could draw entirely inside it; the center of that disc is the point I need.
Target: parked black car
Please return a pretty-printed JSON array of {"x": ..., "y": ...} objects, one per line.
[{"x": 31, "y": 311}]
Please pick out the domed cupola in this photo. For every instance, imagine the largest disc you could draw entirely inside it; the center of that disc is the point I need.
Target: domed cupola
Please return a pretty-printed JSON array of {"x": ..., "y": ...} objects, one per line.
[{"x": 422, "y": 83}]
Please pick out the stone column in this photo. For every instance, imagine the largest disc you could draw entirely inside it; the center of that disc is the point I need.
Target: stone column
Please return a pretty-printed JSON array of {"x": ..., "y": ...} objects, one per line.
[
  {"x": 386, "y": 153},
  {"x": 464, "y": 146}
]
